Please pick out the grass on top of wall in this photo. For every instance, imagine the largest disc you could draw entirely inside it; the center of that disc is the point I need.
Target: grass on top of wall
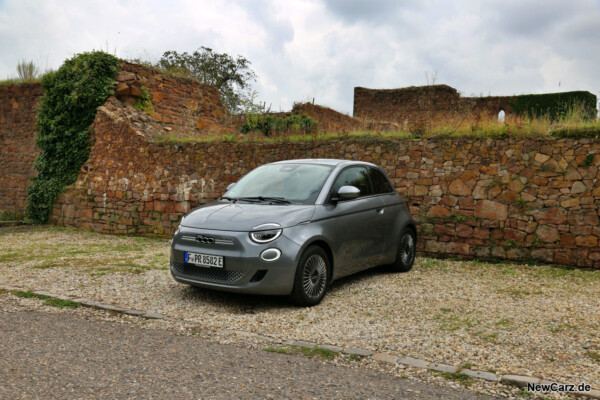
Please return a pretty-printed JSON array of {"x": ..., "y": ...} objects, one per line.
[{"x": 575, "y": 123}]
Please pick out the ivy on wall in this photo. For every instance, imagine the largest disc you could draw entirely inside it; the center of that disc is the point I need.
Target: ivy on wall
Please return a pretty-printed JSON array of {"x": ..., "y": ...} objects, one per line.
[{"x": 68, "y": 107}]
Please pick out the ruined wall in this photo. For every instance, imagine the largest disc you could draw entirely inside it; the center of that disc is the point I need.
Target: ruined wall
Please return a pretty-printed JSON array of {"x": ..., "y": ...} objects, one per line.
[
  {"x": 424, "y": 103},
  {"x": 183, "y": 107},
  {"x": 519, "y": 199},
  {"x": 17, "y": 143}
]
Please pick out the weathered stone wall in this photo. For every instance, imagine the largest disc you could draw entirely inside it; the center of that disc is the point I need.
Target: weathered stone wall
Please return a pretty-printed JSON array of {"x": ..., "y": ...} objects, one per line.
[
  {"x": 424, "y": 103},
  {"x": 17, "y": 143},
  {"x": 183, "y": 107},
  {"x": 519, "y": 199}
]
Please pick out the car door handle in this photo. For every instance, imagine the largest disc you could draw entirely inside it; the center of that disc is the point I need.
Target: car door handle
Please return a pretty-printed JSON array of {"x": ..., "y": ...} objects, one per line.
[{"x": 380, "y": 211}]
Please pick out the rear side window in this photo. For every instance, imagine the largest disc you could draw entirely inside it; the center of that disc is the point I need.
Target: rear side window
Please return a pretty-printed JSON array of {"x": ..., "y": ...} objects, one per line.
[
  {"x": 380, "y": 182},
  {"x": 354, "y": 176}
]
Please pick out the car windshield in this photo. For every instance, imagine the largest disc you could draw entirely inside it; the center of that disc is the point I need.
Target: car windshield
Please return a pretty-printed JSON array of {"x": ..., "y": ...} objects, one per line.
[{"x": 296, "y": 183}]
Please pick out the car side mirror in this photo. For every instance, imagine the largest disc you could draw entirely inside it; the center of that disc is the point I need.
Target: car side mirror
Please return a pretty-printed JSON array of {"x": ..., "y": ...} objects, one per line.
[
  {"x": 348, "y": 193},
  {"x": 230, "y": 186}
]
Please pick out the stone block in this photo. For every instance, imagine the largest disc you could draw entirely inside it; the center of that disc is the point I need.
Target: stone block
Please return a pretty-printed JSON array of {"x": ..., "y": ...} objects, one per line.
[
  {"x": 491, "y": 210},
  {"x": 358, "y": 352},
  {"x": 451, "y": 369},
  {"x": 414, "y": 362},
  {"x": 458, "y": 188},
  {"x": 384, "y": 357},
  {"x": 518, "y": 380},
  {"x": 488, "y": 376},
  {"x": 552, "y": 215}
]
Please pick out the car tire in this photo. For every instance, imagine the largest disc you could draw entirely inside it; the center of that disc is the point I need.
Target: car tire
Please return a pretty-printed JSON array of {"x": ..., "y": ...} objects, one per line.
[
  {"x": 407, "y": 249},
  {"x": 312, "y": 277}
]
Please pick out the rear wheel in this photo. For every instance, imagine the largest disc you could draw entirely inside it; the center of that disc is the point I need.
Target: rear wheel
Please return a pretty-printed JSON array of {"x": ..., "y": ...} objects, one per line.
[
  {"x": 312, "y": 277},
  {"x": 407, "y": 249}
]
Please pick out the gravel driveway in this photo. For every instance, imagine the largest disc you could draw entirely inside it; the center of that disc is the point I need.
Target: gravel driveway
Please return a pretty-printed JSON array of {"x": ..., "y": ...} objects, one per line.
[{"x": 508, "y": 318}]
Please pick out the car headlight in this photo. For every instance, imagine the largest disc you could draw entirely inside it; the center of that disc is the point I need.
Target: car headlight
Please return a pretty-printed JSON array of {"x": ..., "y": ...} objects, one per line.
[{"x": 265, "y": 236}]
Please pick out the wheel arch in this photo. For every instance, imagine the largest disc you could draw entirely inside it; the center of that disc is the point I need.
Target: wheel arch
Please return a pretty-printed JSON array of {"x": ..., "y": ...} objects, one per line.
[{"x": 321, "y": 242}]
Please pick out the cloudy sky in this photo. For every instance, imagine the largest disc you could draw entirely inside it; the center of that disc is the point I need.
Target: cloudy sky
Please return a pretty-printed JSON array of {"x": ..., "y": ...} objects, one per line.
[{"x": 302, "y": 49}]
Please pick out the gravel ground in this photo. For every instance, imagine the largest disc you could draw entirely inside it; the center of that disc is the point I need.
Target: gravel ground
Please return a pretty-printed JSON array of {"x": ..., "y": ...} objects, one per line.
[{"x": 507, "y": 318}]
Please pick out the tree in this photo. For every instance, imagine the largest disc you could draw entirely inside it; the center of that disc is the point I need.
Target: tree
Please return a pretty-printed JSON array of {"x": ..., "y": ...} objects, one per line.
[{"x": 232, "y": 76}]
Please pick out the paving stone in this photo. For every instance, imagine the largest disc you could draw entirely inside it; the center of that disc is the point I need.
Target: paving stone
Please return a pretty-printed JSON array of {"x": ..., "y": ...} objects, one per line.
[
  {"x": 90, "y": 303},
  {"x": 136, "y": 313},
  {"x": 12, "y": 288},
  {"x": 44, "y": 293},
  {"x": 108, "y": 307},
  {"x": 518, "y": 380},
  {"x": 385, "y": 357},
  {"x": 331, "y": 348},
  {"x": 593, "y": 394},
  {"x": 488, "y": 376},
  {"x": 443, "y": 368},
  {"x": 358, "y": 352},
  {"x": 301, "y": 343},
  {"x": 153, "y": 315},
  {"x": 414, "y": 362}
]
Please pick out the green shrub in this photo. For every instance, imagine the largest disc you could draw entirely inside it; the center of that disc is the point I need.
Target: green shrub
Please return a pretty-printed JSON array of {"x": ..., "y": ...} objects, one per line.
[
  {"x": 555, "y": 105},
  {"x": 267, "y": 123},
  {"x": 144, "y": 103},
  {"x": 67, "y": 108}
]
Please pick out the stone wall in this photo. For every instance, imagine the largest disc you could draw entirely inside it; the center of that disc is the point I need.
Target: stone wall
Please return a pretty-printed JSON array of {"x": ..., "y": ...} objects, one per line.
[
  {"x": 520, "y": 199},
  {"x": 424, "y": 103},
  {"x": 17, "y": 143},
  {"x": 183, "y": 107}
]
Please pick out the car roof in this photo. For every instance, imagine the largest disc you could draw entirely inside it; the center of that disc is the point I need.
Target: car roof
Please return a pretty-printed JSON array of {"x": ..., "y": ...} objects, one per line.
[{"x": 323, "y": 161}]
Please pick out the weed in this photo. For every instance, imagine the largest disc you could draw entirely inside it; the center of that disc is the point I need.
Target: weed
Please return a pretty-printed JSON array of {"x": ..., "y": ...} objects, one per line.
[
  {"x": 280, "y": 350},
  {"x": 593, "y": 355},
  {"x": 509, "y": 272},
  {"x": 588, "y": 160},
  {"x": 459, "y": 377},
  {"x": 503, "y": 322},
  {"x": 46, "y": 266},
  {"x": 560, "y": 327},
  {"x": 50, "y": 301},
  {"x": 467, "y": 365},
  {"x": 144, "y": 103},
  {"x": 525, "y": 393},
  {"x": 318, "y": 352},
  {"x": 355, "y": 357}
]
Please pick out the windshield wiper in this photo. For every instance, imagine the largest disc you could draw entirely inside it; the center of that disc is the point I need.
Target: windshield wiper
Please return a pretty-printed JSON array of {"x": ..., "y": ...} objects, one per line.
[
  {"x": 272, "y": 200},
  {"x": 232, "y": 199}
]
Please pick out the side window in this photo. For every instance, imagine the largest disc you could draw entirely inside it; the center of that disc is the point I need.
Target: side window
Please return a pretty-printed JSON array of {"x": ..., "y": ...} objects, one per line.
[
  {"x": 354, "y": 176},
  {"x": 380, "y": 182}
]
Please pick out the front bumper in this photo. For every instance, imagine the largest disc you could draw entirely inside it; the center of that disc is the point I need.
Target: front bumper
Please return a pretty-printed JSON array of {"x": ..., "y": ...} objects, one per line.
[{"x": 243, "y": 270}]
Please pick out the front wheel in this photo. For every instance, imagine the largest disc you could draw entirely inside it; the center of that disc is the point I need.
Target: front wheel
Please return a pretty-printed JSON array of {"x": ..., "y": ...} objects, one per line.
[
  {"x": 407, "y": 249},
  {"x": 312, "y": 277}
]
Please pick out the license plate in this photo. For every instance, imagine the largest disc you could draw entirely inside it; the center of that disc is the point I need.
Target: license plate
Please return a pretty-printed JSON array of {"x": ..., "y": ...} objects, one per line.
[{"x": 204, "y": 260}]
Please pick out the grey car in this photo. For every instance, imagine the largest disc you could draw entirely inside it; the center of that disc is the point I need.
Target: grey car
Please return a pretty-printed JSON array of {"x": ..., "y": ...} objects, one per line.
[{"x": 293, "y": 227}]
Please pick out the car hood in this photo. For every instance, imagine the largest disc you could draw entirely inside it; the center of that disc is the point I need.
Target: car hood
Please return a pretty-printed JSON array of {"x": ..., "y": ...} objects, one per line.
[{"x": 244, "y": 217}]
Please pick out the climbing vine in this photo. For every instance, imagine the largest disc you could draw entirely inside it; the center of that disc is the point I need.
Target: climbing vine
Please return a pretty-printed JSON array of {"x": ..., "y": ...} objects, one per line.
[{"x": 67, "y": 108}]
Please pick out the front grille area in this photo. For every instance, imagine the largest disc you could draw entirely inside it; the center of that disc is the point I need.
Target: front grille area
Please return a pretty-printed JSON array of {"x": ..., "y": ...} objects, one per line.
[{"x": 207, "y": 274}]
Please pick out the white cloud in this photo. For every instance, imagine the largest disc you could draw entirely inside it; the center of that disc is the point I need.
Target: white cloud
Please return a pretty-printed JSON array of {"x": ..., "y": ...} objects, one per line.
[{"x": 323, "y": 48}]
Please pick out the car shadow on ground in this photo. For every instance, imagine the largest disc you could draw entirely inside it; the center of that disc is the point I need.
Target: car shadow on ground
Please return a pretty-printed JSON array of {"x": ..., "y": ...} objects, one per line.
[{"x": 239, "y": 303}]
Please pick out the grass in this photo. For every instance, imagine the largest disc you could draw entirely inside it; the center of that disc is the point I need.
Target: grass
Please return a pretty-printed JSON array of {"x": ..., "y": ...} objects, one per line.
[
  {"x": 317, "y": 352},
  {"x": 573, "y": 124},
  {"x": 459, "y": 377},
  {"x": 49, "y": 301},
  {"x": 595, "y": 356},
  {"x": 55, "y": 247}
]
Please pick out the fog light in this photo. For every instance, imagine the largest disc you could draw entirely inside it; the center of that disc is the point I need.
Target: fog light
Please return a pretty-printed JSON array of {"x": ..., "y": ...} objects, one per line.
[{"x": 270, "y": 255}]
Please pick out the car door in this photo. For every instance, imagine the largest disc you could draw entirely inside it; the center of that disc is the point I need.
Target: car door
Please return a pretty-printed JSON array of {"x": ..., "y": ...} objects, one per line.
[
  {"x": 356, "y": 227},
  {"x": 392, "y": 209}
]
